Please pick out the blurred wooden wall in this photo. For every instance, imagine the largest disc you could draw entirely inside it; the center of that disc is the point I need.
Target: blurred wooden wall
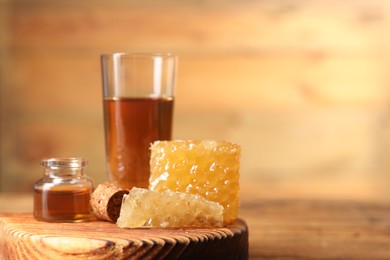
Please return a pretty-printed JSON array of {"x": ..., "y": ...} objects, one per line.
[{"x": 301, "y": 85}]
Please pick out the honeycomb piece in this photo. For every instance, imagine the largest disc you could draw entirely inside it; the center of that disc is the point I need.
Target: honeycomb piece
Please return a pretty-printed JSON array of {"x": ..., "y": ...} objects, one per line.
[
  {"x": 145, "y": 208},
  {"x": 207, "y": 168}
]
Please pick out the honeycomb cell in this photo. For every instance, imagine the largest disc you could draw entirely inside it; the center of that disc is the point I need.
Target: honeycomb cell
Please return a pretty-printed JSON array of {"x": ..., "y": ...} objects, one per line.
[
  {"x": 146, "y": 208},
  {"x": 204, "y": 167}
]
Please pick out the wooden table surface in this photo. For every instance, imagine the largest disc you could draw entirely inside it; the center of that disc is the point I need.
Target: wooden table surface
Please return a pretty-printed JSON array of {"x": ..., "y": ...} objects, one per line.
[{"x": 293, "y": 227}]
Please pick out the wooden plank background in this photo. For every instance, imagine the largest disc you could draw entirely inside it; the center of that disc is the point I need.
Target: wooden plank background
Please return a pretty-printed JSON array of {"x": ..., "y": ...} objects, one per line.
[{"x": 301, "y": 85}]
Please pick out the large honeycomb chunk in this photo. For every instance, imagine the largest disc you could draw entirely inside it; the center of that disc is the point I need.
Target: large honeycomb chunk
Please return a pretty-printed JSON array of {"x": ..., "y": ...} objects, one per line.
[
  {"x": 207, "y": 168},
  {"x": 145, "y": 208}
]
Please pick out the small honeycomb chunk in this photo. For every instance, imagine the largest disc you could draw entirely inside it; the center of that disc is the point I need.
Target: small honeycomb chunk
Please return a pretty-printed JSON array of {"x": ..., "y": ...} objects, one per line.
[
  {"x": 145, "y": 208},
  {"x": 207, "y": 168}
]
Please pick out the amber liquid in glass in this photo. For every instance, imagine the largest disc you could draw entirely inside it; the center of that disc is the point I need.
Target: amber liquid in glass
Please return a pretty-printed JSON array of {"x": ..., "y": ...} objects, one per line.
[
  {"x": 62, "y": 204},
  {"x": 131, "y": 125}
]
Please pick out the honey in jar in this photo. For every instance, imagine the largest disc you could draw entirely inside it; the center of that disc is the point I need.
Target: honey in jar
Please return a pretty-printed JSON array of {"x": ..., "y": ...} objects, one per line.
[{"x": 63, "y": 193}]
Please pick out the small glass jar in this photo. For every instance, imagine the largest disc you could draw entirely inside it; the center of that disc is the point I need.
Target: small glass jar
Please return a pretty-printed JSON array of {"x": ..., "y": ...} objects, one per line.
[{"x": 63, "y": 193}]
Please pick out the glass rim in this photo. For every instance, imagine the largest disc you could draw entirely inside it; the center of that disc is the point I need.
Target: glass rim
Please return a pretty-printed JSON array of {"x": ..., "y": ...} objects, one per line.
[
  {"x": 139, "y": 55},
  {"x": 64, "y": 162}
]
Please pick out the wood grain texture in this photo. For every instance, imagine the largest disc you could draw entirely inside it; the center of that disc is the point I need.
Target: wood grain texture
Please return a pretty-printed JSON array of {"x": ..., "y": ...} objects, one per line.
[
  {"x": 279, "y": 227},
  {"x": 287, "y": 80},
  {"x": 317, "y": 229},
  {"x": 22, "y": 237},
  {"x": 250, "y": 25}
]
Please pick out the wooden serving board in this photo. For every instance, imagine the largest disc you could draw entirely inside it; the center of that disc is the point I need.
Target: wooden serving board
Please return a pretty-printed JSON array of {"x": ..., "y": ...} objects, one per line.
[{"x": 23, "y": 237}]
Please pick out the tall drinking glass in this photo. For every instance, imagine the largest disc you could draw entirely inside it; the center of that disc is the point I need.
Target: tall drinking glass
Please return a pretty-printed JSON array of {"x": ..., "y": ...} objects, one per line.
[{"x": 138, "y": 93}]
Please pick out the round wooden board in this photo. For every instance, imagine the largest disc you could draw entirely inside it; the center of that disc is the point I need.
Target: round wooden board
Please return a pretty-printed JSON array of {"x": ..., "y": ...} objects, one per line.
[{"x": 22, "y": 237}]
